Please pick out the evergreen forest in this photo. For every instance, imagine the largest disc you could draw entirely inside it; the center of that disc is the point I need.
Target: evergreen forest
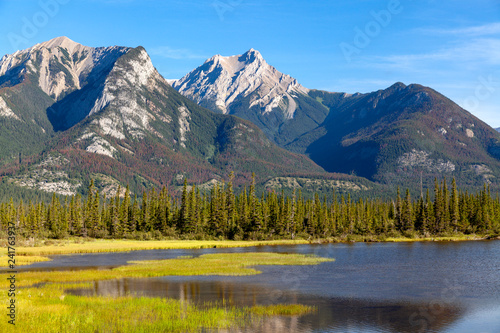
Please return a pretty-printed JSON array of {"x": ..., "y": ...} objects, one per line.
[{"x": 222, "y": 214}]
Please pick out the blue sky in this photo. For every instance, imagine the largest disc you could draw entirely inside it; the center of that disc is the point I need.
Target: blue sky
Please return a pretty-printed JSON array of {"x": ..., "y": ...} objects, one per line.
[{"x": 351, "y": 46}]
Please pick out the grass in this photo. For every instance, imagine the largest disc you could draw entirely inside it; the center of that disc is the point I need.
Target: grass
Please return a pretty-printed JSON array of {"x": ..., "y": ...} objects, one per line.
[
  {"x": 456, "y": 238},
  {"x": 48, "y": 309},
  {"x": 390, "y": 238},
  {"x": 21, "y": 260},
  {"x": 76, "y": 246},
  {"x": 281, "y": 310},
  {"x": 207, "y": 264},
  {"x": 26, "y": 255}
]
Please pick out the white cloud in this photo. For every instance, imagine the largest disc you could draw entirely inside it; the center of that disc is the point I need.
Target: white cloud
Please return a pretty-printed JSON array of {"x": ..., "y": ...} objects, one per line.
[
  {"x": 481, "y": 30},
  {"x": 473, "y": 53},
  {"x": 170, "y": 53}
]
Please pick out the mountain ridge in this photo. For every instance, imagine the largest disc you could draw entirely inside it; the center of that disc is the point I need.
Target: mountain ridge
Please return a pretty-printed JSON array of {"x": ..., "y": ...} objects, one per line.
[
  {"x": 350, "y": 133},
  {"x": 247, "y": 86},
  {"x": 389, "y": 134},
  {"x": 121, "y": 123}
]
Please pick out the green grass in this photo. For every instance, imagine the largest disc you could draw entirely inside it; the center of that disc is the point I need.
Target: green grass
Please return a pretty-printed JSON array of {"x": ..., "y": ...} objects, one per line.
[
  {"x": 207, "y": 264},
  {"x": 282, "y": 310},
  {"x": 49, "y": 309}
]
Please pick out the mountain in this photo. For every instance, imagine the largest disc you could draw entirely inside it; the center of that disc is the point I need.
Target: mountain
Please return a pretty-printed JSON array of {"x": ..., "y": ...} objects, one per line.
[
  {"x": 389, "y": 136},
  {"x": 248, "y": 87},
  {"x": 71, "y": 112},
  {"x": 35, "y": 85},
  {"x": 498, "y": 129},
  {"x": 400, "y": 133}
]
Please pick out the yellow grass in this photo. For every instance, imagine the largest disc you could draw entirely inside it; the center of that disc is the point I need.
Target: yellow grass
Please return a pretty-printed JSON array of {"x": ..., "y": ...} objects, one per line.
[
  {"x": 457, "y": 238},
  {"x": 208, "y": 264},
  {"x": 110, "y": 245},
  {"x": 21, "y": 260},
  {"x": 48, "y": 309}
]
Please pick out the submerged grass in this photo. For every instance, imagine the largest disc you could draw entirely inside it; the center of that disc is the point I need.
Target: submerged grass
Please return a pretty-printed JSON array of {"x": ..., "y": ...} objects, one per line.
[{"x": 48, "y": 309}]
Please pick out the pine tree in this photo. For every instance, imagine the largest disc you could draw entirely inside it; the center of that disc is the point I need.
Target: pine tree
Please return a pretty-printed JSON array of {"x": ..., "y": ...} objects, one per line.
[
  {"x": 123, "y": 215},
  {"x": 231, "y": 208},
  {"x": 184, "y": 213},
  {"x": 399, "y": 212},
  {"x": 407, "y": 212},
  {"x": 438, "y": 208},
  {"x": 144, "y": 214},
  {"x": 454, "y": 206},
  {"x": 133, "y": 217}
]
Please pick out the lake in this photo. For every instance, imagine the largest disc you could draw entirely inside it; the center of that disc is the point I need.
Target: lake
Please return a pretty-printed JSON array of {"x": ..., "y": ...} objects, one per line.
[{"x": 370, "y": 287}]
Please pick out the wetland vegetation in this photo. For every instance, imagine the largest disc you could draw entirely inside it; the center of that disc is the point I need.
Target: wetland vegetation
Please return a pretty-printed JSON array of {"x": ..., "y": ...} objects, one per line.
[{"x": 45, "y": 307}]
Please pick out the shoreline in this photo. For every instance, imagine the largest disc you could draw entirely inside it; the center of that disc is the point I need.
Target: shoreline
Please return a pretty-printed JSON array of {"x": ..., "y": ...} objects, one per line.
[{"x": 32, "y": 254}]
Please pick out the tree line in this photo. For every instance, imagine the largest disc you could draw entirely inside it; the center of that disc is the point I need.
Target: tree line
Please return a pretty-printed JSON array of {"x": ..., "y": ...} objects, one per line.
[{"x": 221, "y": 214}]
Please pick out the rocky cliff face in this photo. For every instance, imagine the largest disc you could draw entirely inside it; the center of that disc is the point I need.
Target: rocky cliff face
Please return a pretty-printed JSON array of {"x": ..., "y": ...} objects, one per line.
[
  {"x": 221, "y": 81},
  {"x": 59, "y": 66},
  {"x": 247, "y": 86}
]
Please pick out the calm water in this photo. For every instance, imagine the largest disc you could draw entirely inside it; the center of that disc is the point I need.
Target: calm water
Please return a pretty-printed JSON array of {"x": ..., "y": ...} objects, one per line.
[{"x": 379, "y": 287}]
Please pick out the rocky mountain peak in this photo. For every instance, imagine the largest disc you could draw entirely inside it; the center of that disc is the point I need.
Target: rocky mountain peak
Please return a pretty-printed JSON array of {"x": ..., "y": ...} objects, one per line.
[
  {"x": 60, "y": 65},
  {"x": 222, "y": 82},
  {"x": 252, "y": 55},
  {"x": 63, "y": 42}
]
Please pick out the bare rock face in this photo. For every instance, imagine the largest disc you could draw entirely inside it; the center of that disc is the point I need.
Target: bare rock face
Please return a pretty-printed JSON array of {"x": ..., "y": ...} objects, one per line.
[
  {"x": 5, "y": 111},
  {"x": 107, "y": 85},
  {"x": 222, "y": 82},
  {"x": 84, "y": 81},
  {"x": 60, "y": 64},
  {"x": 123, "y": 95}
]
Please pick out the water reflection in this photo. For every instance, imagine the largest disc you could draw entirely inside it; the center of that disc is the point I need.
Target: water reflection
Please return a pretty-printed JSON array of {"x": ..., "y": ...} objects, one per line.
[
  {"x": 383, "y": 287},
  {"x": 332, "y": 315}
]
